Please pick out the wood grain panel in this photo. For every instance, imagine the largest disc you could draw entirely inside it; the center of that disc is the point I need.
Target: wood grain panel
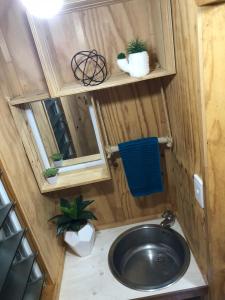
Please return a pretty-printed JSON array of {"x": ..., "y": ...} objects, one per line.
[
  {"x": 44, "y": 127},
  {"x": 129, "y": 112},
  {"x": 212, "y": 61},
  {"x": 58, "y": 39},
  {"x": 184, "y": 104},
  {"x": 76, "y": 109},
  {"x": 20, "y": 67},
  {"x": 17, "y": 79},
  {"x": 36, "y": 207},
  {"x": 208, "y": 2},
  {"x": 98, "y": 27}
]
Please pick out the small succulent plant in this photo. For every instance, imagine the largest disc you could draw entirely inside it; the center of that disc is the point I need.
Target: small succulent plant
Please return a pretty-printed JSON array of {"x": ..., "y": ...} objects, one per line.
[
  {"x": 57, "y": 156},
  {"x": 121, "y": 55},
  {"x": 51, "y": 172},
  {"x": 136, "y": 46},
  {"x": 74, "y": 215}
]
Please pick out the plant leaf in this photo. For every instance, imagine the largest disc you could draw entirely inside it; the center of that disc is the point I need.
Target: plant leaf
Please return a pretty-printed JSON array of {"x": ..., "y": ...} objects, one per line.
[
  {"x": 54, "y": 218},
  {"x": 63, "y": 220},
  {"x": 84, "y": 204},
  {"x": 64, "y": 203},
  {"x": 87, "y": 215}
]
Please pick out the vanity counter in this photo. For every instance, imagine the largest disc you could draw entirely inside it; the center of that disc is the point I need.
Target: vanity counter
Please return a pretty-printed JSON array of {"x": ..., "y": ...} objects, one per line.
[{"x": 90, "y": 277}]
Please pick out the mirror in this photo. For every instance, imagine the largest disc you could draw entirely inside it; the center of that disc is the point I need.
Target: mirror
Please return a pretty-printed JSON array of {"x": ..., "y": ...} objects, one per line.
[{"x": 66, "y": 128}]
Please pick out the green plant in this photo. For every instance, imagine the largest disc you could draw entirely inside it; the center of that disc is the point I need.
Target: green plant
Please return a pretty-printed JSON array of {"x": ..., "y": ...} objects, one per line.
[
  {"x": 57, "y": 156},
  {"x": 51, "y": 172},
  {"x": 136, "y": 46},
  {"x": 74, "y": 215},
  {"x": 121, "y": 55}
]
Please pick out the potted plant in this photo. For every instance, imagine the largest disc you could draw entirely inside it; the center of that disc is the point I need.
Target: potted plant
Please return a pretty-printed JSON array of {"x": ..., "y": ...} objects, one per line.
[
  {"x": 51, "y": 175},
  {"x": 57, "y": 159},
  {"x": 74, "y": 224},
  {"x": 137, "y": 64}
]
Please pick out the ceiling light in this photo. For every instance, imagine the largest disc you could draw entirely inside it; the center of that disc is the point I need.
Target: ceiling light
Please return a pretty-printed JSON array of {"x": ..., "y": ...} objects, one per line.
[{"x": 43, "y": 8}]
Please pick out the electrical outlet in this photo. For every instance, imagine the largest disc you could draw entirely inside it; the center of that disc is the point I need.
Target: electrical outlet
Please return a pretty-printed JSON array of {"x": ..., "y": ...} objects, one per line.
[{"x": 198, "y": 185}]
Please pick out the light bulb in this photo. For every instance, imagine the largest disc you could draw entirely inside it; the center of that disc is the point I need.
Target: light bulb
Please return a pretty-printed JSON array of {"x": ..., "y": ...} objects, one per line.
[{"x": 44, "y": 9}]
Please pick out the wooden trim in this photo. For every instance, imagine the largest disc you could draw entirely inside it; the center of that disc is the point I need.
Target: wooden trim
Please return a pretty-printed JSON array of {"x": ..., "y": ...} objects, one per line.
[
  {"x": 65, "y": 180},
  {"x": 181, "y": 295},
  {"x": 77, "y": 178},
  {"x": 52, "y": 292},
  {"x": 29, "y": 98},
  {"x": 208, "y": 2},
  {"x": 81, "y": 160},
  {"x": 58, "y": 88},
  {"x": 29, "y": 143},
  {"x": 114, "y": 81}
]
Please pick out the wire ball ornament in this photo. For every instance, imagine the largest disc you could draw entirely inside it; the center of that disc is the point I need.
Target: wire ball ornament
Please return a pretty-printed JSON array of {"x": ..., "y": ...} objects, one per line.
[{"x": 89, "y": 67}]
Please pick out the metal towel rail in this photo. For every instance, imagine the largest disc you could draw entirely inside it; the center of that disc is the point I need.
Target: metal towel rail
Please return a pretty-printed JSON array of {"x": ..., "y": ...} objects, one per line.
[{"x": 162, "y": 140}]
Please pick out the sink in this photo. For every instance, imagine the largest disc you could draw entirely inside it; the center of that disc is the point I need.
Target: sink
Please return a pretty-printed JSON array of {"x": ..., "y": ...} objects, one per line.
[{"x": 149, "y": 257}]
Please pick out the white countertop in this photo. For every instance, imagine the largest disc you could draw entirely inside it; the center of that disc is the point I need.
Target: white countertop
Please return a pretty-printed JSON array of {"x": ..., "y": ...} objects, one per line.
[{"x": 90, "y": 278}]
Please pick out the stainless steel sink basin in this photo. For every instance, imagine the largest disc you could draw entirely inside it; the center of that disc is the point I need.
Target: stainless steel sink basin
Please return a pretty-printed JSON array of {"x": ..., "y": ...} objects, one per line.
[{"x": 149, "y": 257}]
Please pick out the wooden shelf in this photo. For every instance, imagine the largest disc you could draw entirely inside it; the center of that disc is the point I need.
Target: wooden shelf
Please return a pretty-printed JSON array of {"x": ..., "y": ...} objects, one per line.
[
  {"x": 77, "y": 178},
  {"x": 154, "y": 27},
  {"x": 113, "y": 81},
  {"x": 29, "y": 98},
  {"x": 77, "y": 88}
]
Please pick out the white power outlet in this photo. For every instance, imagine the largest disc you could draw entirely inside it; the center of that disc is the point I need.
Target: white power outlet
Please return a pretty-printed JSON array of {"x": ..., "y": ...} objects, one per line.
[{"x": 198, "y": 185}]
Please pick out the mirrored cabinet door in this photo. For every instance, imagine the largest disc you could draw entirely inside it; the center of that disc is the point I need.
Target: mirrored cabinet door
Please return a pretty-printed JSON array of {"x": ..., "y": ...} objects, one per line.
[{"x": 67, "y": 136}]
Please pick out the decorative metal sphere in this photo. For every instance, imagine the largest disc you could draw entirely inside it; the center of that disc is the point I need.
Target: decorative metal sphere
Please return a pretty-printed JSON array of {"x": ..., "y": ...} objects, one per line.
[{"x": 89, "y": 67}]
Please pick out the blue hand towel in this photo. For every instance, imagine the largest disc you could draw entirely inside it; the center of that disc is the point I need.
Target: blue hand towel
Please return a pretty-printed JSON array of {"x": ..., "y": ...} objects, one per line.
[{"x": 141, "y": 161}]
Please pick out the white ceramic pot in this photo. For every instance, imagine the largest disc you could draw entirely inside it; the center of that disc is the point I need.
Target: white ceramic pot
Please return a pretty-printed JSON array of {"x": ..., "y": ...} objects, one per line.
[
  {"x": 123, "y": 65},
  {"x": 58, "y": 163},
  {"x": 81, "y": 242},
  {"x": 52, "y": 180},
  {"x": 137, "y": 64}
]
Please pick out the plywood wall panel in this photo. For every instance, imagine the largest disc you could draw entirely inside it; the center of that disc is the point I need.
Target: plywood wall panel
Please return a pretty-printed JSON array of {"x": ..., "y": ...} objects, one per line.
[
  {"x": 129, "y": 112},
  {"x": 20, "y": 74},
  {"x": 211, "y": 21},
  {"x": 208, "y": 2},
  {"x": 185, "y": 112},
  {"x": 16, "y": 50},
  {"x": 107, "y": 29},
  {"x": 37, "y": 208},
  {"x": 133, "y": 111}
]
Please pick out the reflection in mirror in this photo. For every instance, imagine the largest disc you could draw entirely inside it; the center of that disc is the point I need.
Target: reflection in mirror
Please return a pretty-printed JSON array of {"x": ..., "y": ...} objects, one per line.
[{"x": 66, "y": 126}]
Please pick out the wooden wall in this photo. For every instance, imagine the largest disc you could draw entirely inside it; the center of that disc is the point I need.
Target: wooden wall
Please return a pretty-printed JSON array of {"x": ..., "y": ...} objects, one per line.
[
  {"x": 20, "y": 67},
  {"x": 129, "y": 112},
  {"x": 17, "y": 76},
  {"x": 184, "y": 104},
  {"x": 208, "y": 2},
  {"x": 211, "y": 23},
  {"x": 37, "y": 208}
]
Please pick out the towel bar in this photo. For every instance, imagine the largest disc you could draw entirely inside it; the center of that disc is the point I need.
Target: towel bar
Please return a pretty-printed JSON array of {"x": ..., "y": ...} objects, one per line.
[{"x": 162, "y": 140}]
